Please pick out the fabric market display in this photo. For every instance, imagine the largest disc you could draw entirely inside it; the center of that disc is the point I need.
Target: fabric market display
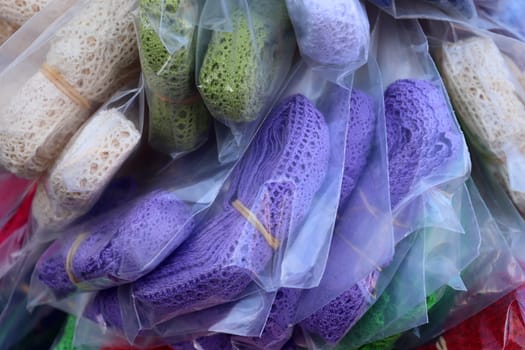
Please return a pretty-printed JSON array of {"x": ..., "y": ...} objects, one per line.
[{"x": 77, "y": 75}]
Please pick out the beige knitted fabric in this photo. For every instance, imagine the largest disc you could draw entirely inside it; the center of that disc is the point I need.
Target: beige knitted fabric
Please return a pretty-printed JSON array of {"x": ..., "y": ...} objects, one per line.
[
  {"x": 6, "y": 30},
  {"x": 485, "y": 90},
  {"x": 90, "y": 160},
  {"x": 47, "y": 216},
  {"x": 19, "y": 11},
  {"x": 94, "y": 53}
]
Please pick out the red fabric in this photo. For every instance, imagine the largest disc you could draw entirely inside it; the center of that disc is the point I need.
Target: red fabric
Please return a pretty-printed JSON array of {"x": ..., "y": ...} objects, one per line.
[
  {"x": 19, "y": 219},
  {"x": 12, "y": 188},
  {"x": 500, "y": 326}
]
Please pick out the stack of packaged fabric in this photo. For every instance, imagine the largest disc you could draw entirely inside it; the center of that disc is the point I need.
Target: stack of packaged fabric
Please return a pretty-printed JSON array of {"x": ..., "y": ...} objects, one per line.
[{"x": 279, "y": 174}]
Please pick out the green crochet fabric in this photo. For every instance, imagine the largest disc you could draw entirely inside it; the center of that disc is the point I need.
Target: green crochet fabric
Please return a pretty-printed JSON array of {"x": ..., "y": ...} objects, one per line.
[
  {"x": 176, "y": 125},
  {"x": 236, "y": 72},
  {"x": 66, "y": 340}
]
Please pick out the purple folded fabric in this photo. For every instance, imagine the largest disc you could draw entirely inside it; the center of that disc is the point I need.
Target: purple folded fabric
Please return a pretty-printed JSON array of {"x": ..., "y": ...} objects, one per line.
[
  {"x": 277, "y": 180},
  {"x": 214, "y": 342},
  {"x": 106, "y": 303},
  {"x": 336, "y": 318},
  {"x": 279, "y": 326},
  {"x": 359, "y": 139},
  {"x": 123, "y": 242},
  {"x": 421, "y": 134}
]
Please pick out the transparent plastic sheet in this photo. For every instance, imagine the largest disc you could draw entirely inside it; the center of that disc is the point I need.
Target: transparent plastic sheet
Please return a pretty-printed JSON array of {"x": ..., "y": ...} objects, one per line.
[
  {"x": 445, "y": 10},
  {"x": 363, "y": 241},
  {"x": 502, "y": 15},
  {"x": 51, "y": 88},
  {"x": 490, "y": 100},
  {"x": 494, "y": 273},
  {"x": 250, "y": 253},
  {"x": 178, "y": 119},
  {"x": 14, "y": 14},
  {"x": 429, "y": 169},
  {"x": 244, "y": 52},
  {"x": 499, "y": 326},
  {"x": 400, "y": 294},
  {"x": 88, "y": 162},
  {"x": 14, "y": 190},
  {"x": 333, "y": 36}
]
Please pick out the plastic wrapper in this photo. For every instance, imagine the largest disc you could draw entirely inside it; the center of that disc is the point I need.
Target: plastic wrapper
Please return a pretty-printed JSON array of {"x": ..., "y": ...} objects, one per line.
[
  {"x": 89, "y": 161},
  {"x": 490, "y": 99},
  {"x": 272, "y": 239},
  {"x": 18, "y": 12},
  {"x": 178, "y": 120},
  {"x": 428, "y": 169},
  {"x": 244, "y": 52},
  {"x": 48, "y": 94},
  {"x": 502, "y": 15},
  {"x": 448, "y": 10},
  {"x": 14, "y": 190},
  {"x": 6, "y": 30},
  {"x": 363, "y": 240},
  {"x": 333, "y": 36},
  {"x": 499, "y": 326}
]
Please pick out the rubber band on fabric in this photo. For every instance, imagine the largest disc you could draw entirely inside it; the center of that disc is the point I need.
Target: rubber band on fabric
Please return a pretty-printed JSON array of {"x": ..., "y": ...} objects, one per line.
[
  {"x": 185, "y": 102},
  {"x": 61, "y": 84},
  {"x": 70, "y": 256},
  {"x": 252, "y": 218}
]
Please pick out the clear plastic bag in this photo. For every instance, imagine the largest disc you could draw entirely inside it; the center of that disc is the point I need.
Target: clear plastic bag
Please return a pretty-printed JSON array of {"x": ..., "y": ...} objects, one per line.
[
  {"x": 502, "y": 15},
  {"x": 178, "y": 119},
  {"x": 51, "y": 89},
  {"x": 447, "y": 10},
  {"x": 429, "y": 168},
  {"x": 333, "y": 36},
  {"x": 489, "y": 99},
  {"x": 14, "y": 190},
  {"x": 355, "y": 255},
  {"x": 244, "y": 52}
]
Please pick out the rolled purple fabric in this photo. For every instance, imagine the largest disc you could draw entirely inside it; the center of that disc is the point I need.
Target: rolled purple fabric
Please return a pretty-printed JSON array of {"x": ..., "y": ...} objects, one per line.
[
  {"x": 277, "y": 179},
  {"x": 335, "y": 319},
  {"x": 421, "y": 134},
  {"x": 124, "y": 242},
  {"x": 215, "y": 342},
  {"x": 106, "y": 303},
  {"x": 279, "y": 326}
]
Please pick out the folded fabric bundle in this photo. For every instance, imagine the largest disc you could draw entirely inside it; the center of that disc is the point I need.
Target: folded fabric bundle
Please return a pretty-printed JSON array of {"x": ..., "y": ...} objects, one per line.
[
  {"x": 279, "y": 325},
  {"x": 18, "y": 12},
  {"x": 333, "y": 320},
  {"x": 268, "y": 196},
  {"x": 85, "y": 167},
  {"x": 88, "y": 60},
  {"x": 488, "y": 101},
  {"x": 239, "y": 66},
  {"x": 179, "y": 121},
  {"x": 106, "y": 251},
  {"x": 333, "y": 32},
  {"x": 420, "y": 134}
]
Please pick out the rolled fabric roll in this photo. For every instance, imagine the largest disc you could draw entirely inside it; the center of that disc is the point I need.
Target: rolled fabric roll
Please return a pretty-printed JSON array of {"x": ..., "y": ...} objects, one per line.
[
  {"x": 465, "y": 8},
  {"x": 96, "y": 255},
  {"x": 179, "y": 121},
  {"x": 421, "y": 134},
  {"x": 487, "y": 99},
  {"x": 275, "y": 182},
  {"x": 333, "y": 32},
  {"x": 237, "y": 69},
  {"x": 279, "y": 326},
  {"x": 18, "y": 12},
  {"x": 88, "y": 60},
  {"x": 214, "y": 342},
  {"x": 333, "y": 320}
]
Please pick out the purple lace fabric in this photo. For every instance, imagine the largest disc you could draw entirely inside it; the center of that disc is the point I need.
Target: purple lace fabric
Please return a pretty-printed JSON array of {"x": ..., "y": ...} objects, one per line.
[
  {"x": 215, "y": 342},
  {"x": 421, "y": 134},
  {"x": 277, "y": 179},
  {"x": 127, "y": 240},
  {"x": 279, "y": 326}
]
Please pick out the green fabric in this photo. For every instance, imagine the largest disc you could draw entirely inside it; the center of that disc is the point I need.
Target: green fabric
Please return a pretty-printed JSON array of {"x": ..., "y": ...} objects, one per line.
[
  {"x": 237, "y": 70},
  {"x": 178, "y": 119},
  {"x": 66, "y": 340}
]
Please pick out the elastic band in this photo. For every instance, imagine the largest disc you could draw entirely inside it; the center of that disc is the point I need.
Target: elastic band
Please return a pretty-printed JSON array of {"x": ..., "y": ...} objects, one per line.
[
  {"x": 61, "y": 84},
  {"x": 252, "y": 219},
  {"x": 70, "y": 255}
]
